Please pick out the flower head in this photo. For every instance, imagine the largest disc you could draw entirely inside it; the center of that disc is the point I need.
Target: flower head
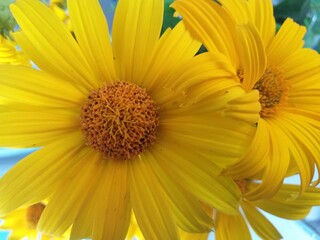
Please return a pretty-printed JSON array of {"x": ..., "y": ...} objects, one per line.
[
  {"x": 283, "y": 73},
  {"x": 127, "y": 125}
]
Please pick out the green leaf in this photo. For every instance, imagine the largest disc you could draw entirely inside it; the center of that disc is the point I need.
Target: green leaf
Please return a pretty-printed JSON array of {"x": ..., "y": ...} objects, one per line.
[
  {"x": 168, "y": 19},
  {"x": 295, "y": 9}
]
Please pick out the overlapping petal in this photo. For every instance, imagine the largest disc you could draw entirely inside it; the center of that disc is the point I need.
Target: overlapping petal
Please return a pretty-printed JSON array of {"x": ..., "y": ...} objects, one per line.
[
  {"x": 56, "y": 49},
  {"x": 92, "y": 34}
]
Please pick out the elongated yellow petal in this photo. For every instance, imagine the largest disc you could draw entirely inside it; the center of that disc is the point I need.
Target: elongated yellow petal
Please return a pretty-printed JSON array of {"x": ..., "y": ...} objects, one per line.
[
  {"x": 29, "y": 86},
  {"x": 83, "y": 223},
  {"x": 207, "y": 79},
  {"x": 113, "y": 209},
  {"x": 277, "y": 165},
  {"x": 282, "y": 45},
  {"x": 231, "y": 227},
  {"x": 56, "y": 222},
  {"x": 301, "y": 70},
  {"x": 306, "y": 141},
  {"x": 238, "y": 10},
  {"x": 91, "y": 31},
  {"x": 35, "y": 128},
  {"x": 35, "y": 177},
  {"x": 210, "y": 24},
  {"x": 262, "y": 12},
  {"x": 252, "y": 54},
  {"x": 56, "y": 47},
  {"x": 289, "y": 204},
  {"x": 136, "y": 29},
  {"x": 260, "y": 224},
  {"x": 245, "y": 108},
  {"x": 174, "y": 48},
  {"x": 200, "y": 179},
  {"x": 255, "y": 159},
  {"x": 187, "y": 209},
  {"x": 224, "y": 140},
  {"x": 150, "y": 204}
]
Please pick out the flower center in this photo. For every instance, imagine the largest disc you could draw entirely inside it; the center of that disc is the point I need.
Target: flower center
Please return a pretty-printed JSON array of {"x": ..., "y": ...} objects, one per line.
[
  {"x": 33, "y": 215},
  {"x": 119, "y": 120},
  {"x": 242, "y": 184},
  {"x": 273, "y": 91}
]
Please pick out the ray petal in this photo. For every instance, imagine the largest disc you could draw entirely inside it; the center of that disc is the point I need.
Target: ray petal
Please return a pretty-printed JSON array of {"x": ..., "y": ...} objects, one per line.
[
  {"x": 91, "y": 30},
  {"x": 56, "y": 49},
  {"x": 150, "y": 204},
  {"x": 136, "y": 29},
  {"x": 35, "y": 177}
]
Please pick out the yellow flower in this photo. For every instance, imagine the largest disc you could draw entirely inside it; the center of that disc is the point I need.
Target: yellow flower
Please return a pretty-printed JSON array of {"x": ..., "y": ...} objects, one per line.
[
  {"x": 23, "y": 223},
  {"x": 285, "y": 74},
  {"x": 131, "y": 125},
  {"x": 10, "y": 55}
]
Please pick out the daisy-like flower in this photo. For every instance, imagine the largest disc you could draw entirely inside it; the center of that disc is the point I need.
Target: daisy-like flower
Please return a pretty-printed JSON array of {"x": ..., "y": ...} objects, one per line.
[
  {"x": 23, "y": 223},
  {"x": 285, "y": 74},
  {"x": 123, "y": 126}
]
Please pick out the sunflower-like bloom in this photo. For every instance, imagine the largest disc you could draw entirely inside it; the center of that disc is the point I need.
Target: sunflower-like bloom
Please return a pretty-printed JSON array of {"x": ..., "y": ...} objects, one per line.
[
  {"x": 285, "y": 74},
  {"x": 10, "y": 55},
  {"x": 23, "y": 223},
  {"x": 123, "y": 126}
]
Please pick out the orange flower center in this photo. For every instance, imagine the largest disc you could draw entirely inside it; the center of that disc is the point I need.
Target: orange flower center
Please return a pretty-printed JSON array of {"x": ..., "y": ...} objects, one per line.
[
  {"x": 33, "y": 215},
  {"x": 119, "y": 120},
  {"x": 273, "y": 91}
]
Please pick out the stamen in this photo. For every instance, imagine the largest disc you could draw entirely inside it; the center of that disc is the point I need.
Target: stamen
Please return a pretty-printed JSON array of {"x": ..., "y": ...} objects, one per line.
[
  {"x": 273, "y": 91},
  {"x": 119, "y": 120}
]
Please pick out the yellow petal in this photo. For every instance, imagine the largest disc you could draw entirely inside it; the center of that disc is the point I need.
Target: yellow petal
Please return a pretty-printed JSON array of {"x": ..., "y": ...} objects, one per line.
[
  {"x": 245, "y": 108},
  {"x": 29, "y": 86},
  {"x": 83, "y": 223},
  {"x": 136, "y": 29},
  {"x": 288, "y": 39},
  {"x": 224, "y": 140},
  {"x": 174, "y": 48},
  {"x": 199, "y": 175},
  {"x": 231, "y": 227},
  {"x": 57, "y": 52},
  {"x": 260, "y": 224},
  {"x": 149, "y": 202},
  {"x": 304, "y": 148},
  {"x": 187, "y": 210},
  {"x": 66, "y": 201},
  {"x": 252, "y": 54},
  {"x": 35, "y": 177},
  {"x": 301, "y": 70},
  {"x": 206, "y": 76},
  {"x": 113, "y": 208},
  {"x": 277, "y": 165},
  {"x": 289, "y": 204},
  {"x": 262, "y": 12},
  {"x": 210, "y": 24},
  {"x": 255, "y": 159},
  {"x": 91, "y": 30},
  {"x": 35, "y": 128}
]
